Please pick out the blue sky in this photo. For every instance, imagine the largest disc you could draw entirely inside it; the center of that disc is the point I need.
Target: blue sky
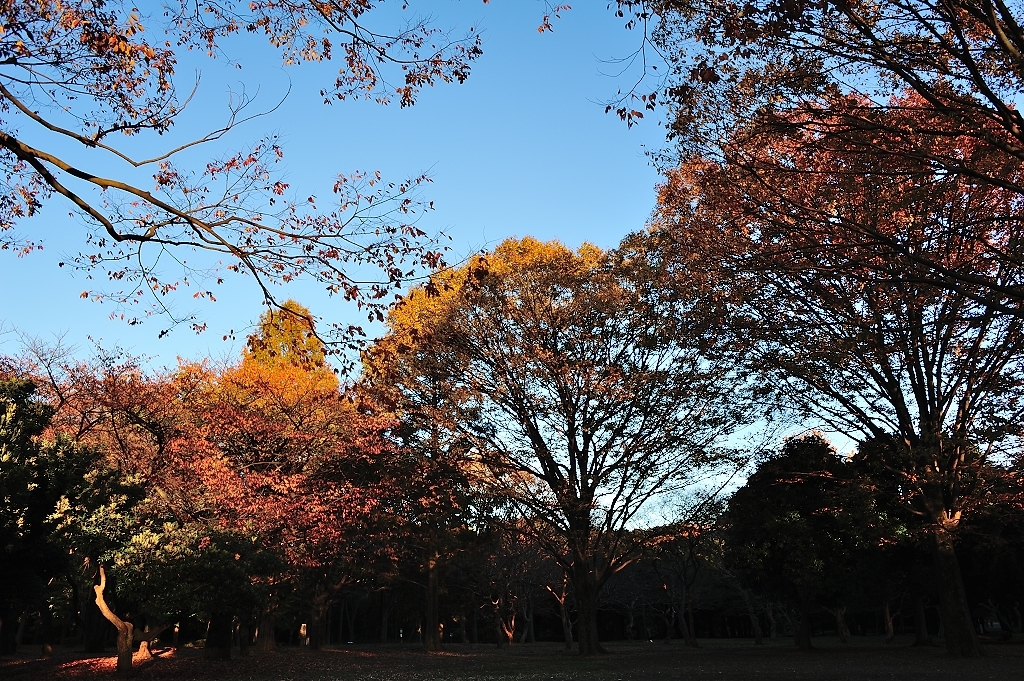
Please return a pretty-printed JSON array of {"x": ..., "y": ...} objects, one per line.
[{"x": 522, "y": 148}]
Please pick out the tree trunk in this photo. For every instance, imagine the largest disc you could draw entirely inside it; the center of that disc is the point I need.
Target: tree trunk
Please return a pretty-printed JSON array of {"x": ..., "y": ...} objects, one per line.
[
  {"x": 432, "y": 633},
  {"x": 146, "y": 637},
  {"x": 244, "y": 636},
  {"x": 841, "y": 630},
  {"x": 8, "y": 628},
  {"x": 124, "y": 629},
  {"x": 921, "y": 637},
  {"x": 386, "y": 601},
  {"x": 562, "y": 598},
  {"x": 218, "y": 637},
  {"x": 352, "y": 612},
  {"x": 693, "y": 629},
  {"x": 890, "y": 631},
  {"x": 527, "y": 636},
  {"x": 773, "y": 626},
  {"x": 755, "y": 622},
  {"x": 266, "y": 636},
  {"x": 802, "y": 631},
  {"x": 961, "y": 639},
  {"x": 45, "y": 632},
  {"x": 585, "y": 591},
  {"x": 318, "y": 616}
]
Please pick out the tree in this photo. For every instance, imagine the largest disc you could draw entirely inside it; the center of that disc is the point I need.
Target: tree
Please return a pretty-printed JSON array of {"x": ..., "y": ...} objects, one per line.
[
  {"x": 80, "y": 76},
  {"x": 589, "y": 400},
  {"x": 857, "y": 336},
  {"x": 59, "y": 497},
  {"x": 919, "y": 80},
  {"x": 794, "y": 527},
  {"x": 273, "y": 449}
]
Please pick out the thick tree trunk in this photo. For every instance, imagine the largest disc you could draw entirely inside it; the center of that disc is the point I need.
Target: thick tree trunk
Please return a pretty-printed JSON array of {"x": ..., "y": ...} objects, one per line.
[
  {"x": 146, "y": 637},
  {"x": 8, "y": 627},
  {"x": 432, "y": 631},
  {"x": 961, "y": 639},
  {"x": 318, "y": 616},
  {"x": 585, "y": 591},
  {"x": 218, "y": 637},
  {"x": 125, "y": 637},
  {"x": 386, "y": 601}
]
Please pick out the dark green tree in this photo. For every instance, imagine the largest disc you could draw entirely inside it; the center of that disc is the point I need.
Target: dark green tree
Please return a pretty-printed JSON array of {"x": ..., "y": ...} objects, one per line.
[{"x": 792, "y": 530}]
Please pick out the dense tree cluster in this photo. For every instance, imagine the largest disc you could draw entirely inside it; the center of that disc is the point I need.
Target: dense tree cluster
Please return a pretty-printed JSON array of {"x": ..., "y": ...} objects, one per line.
[
  {"x": 836, "y": 246},
  {"x": 493, "y": 474}
]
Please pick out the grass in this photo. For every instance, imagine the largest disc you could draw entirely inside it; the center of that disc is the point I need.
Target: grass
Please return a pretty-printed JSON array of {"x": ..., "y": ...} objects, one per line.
[{"x": 721, "y": 659}]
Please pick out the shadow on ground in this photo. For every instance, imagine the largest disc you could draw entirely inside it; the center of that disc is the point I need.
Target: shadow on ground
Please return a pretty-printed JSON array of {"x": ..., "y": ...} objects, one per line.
[{"x": 723, "y": 660}]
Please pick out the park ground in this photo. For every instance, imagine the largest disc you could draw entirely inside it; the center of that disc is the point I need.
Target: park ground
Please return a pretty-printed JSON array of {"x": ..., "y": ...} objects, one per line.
[{"x": 722, "y": 660}]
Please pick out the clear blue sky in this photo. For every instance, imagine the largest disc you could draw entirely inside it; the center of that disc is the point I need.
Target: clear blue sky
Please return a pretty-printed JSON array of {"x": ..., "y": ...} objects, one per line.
[{"x": 522, "y": 148}]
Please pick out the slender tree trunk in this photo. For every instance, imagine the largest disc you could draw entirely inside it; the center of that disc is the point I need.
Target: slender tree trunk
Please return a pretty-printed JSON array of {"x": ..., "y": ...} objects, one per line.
[
  {"x": 693, "y": 629},
  {"x": 890, "y": 632},
  {"x": 921, "y": 637},
  {"x": 961, "y": 639},
  {"x": 20, "y": 635},
  {"x": 505, "y": 627},
  {"x": 45, "y": 632},
  {"x": 562, "y": 598},
  {"x": 244, "y": 635},
  {"x": 124, "y": 629},
  {"x": 566, "y": 623},
  {"x": 432, "y": 634},
  {"x": 773, "y": 626},
  {"x": 527, "y": 636},
  {"x": 96, "y": 626},
  {"x": 755, "y": 622},
  {"x": 353, "y": 612}
]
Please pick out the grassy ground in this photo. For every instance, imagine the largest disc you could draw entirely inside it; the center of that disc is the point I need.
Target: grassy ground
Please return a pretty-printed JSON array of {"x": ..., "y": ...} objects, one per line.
[{"x": 722, "y": 660}]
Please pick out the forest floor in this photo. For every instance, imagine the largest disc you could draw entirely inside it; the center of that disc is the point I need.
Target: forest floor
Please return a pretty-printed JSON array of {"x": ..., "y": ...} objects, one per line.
[{"x": 864, "y": 658}]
